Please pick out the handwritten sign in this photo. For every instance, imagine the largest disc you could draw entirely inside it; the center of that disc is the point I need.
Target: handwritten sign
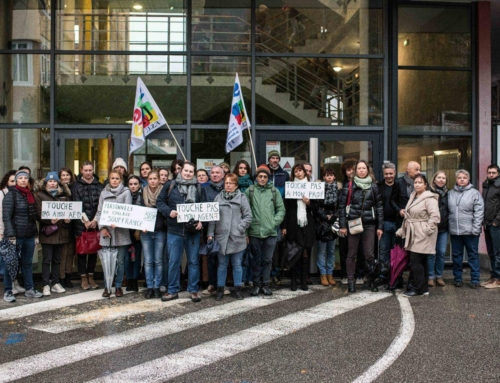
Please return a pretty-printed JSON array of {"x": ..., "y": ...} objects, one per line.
[
  {"x": 204, "y": 212},
  {"x": 61, "y": 210},
  {"x": 312, "y": 190},
  {"x": 128, "y": 216}
]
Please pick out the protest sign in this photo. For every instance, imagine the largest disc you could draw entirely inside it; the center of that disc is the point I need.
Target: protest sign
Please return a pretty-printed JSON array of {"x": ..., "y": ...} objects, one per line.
[
  {"x": 61, "y": 210},
  {"x": 312, "y": 190},
  {"x": 204, "y": 212},
  {"x": 128, "y": 216}
]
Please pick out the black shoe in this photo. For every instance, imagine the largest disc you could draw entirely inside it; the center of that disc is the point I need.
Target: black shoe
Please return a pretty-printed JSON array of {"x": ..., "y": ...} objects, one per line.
[
  {"x": 255, "y": 290},
  {"x": 62, "y": 281},
  {"x": 351, "y": 286},
  {"x": 237, "y": 293},
  {"x": 459, "y": 284},
  {"x": 149, "y": 294},
  {"x": 474, "y": 286},
  {"x": 294, "y": 283},
  {"x": 195, "y": 297},
  {"x": 410, "y": 294},
  {"x": 67, "y": 279},
  {"x": 303, "y": 284},
  {"x": 169, "y": 297},
  {"x": 220, "y": 293},
  {"x": 130, "y": 284},
  {"x": 373, "y": 287},
  {"x": 309, "y": 281},
  {"x": 135, "y": 287},
  {"x": 157, "y": 293},
  {"x": 266, "y": 290}
]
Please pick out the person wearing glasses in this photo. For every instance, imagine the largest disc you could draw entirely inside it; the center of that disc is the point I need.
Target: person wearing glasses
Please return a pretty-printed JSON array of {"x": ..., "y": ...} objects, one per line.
[{"x": 230, "y": 231}]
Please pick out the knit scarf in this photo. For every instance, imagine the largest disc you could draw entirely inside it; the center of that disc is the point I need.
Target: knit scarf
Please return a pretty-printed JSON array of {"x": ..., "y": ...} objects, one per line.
[
  {"x": 53, "y": 192},
  {"x": 441, "y": 191},
  {"x": 363, "y": 183},
  {"x": 331, "y": 191},
  {"x": 187, "y": 188},
  {"x": 149, "y": 196},
  {"x": 26, "y": 194},
  {"x": 115, "y": 191},
  {"x": 244, "y": 182},
  {"x": 301, "y": 208},
  {"x": 217, "y": 185},
  {"x": 228, "y": 196},
  {"x": 409, "y": 183}
]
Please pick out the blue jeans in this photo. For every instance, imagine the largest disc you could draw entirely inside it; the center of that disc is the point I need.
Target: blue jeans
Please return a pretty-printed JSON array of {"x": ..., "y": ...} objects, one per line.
[
  {"x": 471, "y": 243},
  {"x": 435, "y": 262},
  {"x": 120, "y": 264},
  {"x": 176, "y": 244},
  {"x": 263, "y": 258},
  {"x": 153, "y": 245},
  {"x": 326, "y": 257},
  {"x": 164, "y": 270},
  {"x": 27, "y": 246},
  {"x": 387, "y": 242},
  {"x": 236, "y": 259},
  {"x": 492, "y": 237},
  {"x": 133, "y": 269}
]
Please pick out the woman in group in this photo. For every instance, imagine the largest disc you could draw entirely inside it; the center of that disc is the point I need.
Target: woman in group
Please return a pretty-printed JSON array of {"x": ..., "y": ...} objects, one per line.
[
  {"x": 176, "y": 167},
  {"x": 54, "y": 233},
  {"x": 133, "y": 258},
  {"x": 19, "y": 219},
  {"x": 163, "y": 173},
  {"x": 230, "y": 232},
  {"x": 242, "y": 170},
  {"x": 153, "y": 243},
  {"x": 466, "y": 213},
  {"x": 327, "y": 212},
  {"x": 435, "y": 262},
  {"x": 8, "y": 181},
  {"x": 111, "y": 235},
  {"x": 87, "y": 189},
  {"x": 362, "y": 201},
  {"x": 202, "y": 177},
  {"x": 299, "y": 226},
  {"x": 420, "y": 230},
  {"x": 144, "y": 170},
  {"x": 225, "y": 167},
  {"x": 182, "y": 236},
  {"x": 67, "y": 178}
]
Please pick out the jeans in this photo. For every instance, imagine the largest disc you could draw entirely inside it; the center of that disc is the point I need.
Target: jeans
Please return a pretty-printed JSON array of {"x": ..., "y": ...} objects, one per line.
[
  {"x": 27, "y": 246},
  {"x": 470, "y": 242},
  {"x": 51, "y": 263},
  {"x": 176, "y": 244},
  {"x": 236, "y": 259},
  {"x": 153, "y": 245},
  {"x": 326, "y": 257},
  {"x": 164, "y": 270},
  {"x": 120, "y": 264},
  {"x": 492, "y": 237},
  {"x": 435, "y": 262},
  {"x": 263, "y": 258},
  {"x": 387, "y": 241},
  {"x": 133, "y": 269}
]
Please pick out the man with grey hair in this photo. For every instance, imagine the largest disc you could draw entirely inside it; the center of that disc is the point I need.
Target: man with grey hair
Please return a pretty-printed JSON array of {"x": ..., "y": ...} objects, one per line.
[
  {"x": 390, "y": 215},
  {"x": 466, "y": 207}
]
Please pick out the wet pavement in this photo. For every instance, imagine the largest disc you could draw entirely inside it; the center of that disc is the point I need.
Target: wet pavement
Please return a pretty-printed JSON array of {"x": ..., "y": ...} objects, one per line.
[{"x": 322, "y": 335}]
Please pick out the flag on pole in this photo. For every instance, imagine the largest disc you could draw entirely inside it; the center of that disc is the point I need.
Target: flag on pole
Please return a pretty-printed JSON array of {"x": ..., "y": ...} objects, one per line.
[
  {"x": 147, "y": 116},
  {"x": 238, "y": 119}
]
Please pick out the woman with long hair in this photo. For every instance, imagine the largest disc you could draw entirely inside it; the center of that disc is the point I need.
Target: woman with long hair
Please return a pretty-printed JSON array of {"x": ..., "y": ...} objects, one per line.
[
  {"x": 144, "y": 170},
  {"x": 67, "y": 178},
  {"x": 242, "y": 170},
  {"x": 133, "y": 258}
]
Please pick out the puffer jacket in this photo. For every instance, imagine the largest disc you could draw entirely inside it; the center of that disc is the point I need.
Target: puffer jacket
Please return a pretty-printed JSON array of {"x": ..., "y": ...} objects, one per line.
[
  {"x": 119, "y": 235},
  {"x": 19, "y": 217},
  {"x": 88, "y": 194},
  {"x": 491, "y": 197},
  {"x": 371, "y": 211},
  {"x": 267, "y": 214},
  {"x": 466, "y": 209},
  {"x": 61, "y": 236},
  {"x": 443, "y": 211},
  {"x": 235, "y": 218}
]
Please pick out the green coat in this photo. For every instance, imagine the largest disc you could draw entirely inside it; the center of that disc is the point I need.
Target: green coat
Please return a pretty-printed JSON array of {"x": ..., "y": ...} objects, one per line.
[{"x": 266, "y": 217}]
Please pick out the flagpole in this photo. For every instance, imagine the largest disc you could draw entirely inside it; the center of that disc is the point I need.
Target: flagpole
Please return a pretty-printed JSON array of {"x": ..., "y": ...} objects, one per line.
[
  {"x": 253, "y": 149},
  {"x": 175, "y": 139}
]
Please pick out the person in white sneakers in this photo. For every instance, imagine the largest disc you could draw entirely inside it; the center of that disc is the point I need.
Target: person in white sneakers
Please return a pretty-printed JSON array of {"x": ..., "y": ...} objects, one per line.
[{"x": 54, "y": 233}]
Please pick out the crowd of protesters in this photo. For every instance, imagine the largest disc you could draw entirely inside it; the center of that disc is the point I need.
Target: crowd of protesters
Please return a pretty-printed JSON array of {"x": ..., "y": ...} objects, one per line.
[{"x": 357, "y": 214}]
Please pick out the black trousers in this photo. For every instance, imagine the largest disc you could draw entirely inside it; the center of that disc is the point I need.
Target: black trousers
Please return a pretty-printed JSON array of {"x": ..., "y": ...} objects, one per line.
[
  {"x": 360, "y": 260},
  {"x": 418, "y": 263},
  {"x": 365, "y": 242},
  {"x": 51, "y": 263},
  {"x": 84, "y": 266}
]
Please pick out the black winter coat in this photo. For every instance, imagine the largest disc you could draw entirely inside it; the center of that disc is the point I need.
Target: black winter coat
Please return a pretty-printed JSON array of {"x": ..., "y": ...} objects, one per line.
[
  {"x": 371, "y": 211},
  {"x": 19, "y": 217},
  {"x": 491, "y": 196},
  {"x": 399, "y": 197},
  {"x": 303, "y": 236},
  {"x": 444, "y": 224},
  {"x": 88, "y": 194}
]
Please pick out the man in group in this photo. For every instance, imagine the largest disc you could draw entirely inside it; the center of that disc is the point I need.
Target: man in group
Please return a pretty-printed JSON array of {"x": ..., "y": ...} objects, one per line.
[
  {"x": 309, "y": 171},
  {"x": 491, "y": 196},
  {"x": 278, "y": 176},
  {"x": 403, "y": 187},
  {"x": 268, "y": 211}
]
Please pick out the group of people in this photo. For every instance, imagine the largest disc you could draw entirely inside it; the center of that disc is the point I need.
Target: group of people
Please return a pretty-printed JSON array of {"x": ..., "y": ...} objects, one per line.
[{"x": 253, "y": 215}]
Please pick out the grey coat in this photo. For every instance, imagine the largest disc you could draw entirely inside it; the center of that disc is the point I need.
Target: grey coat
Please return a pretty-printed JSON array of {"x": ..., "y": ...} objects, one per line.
[
  {"x": 119, "y": 236},
  {"x": 230, "y": 230},
  {"x": 466, "y": 211}
]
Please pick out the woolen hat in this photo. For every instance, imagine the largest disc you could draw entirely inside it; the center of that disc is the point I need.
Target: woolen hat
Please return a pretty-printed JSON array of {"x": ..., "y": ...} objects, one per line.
[
  {"x": 263, "y": 169},
  {"x": 120, "y": 162},
  {"x": 273, "y": 153},
  {"x": 21, "y": 173},
  {"x": 51, "y": 176}
]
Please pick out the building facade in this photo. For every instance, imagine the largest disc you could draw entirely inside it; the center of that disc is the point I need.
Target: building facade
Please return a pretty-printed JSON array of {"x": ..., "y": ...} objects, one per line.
[{"x": 323, "y": 80}]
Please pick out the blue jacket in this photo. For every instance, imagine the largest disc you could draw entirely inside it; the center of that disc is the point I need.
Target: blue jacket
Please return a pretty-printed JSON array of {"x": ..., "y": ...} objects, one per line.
[
  {"x": 278, "y": 178},
  {"x": 211, "y": 192}
]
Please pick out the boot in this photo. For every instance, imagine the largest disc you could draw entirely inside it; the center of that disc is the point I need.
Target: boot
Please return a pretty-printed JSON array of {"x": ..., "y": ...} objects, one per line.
[
  {"x": 67, "y": 279},
  {"x": 324, "y": 280},
  {"x": 293, "y": 278},
  {"x": 303, "y": 274},
  {"x": 130, "y": 285},
  {"x": 372, "y": 286},
  {"x": 220, "y": 293},
  {"x": 266, "y": 290},
  {"x": 331, "y": 281},
  {"x": 237, "y": 293},
  {"x": 135, "y": 287},
  {"x": 255, "y": 289},
  {"x": 92, "y": 283},
  {"x": 62, "y": 281},
  {"x": 85, "y": 283},
  {"x": 351, "y": 286}
]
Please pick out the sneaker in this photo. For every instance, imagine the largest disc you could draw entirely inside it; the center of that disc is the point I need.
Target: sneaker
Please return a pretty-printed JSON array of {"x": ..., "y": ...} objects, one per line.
[
  {"x": 195, "y": 297},
  {"x": 210, "y": 290},
  {"x": 32, "y": 293},
  {"x": 57, "y": 288},
  {"x": 169, "y": 297},
  {"x": 493, "y": 285},
  {"x": 344, "y": 281},
  {"x": 9, "y": 297},
  {"x": 359, "y": 281},
  {"x": 17, "y": 288},
  {"x": 487, "y": 282},
  {"x": 46, "y": 291},
  {"x": 266, "y": 290},
  {"x": 163, "y": 289},
  {"x": 226, "y": 291}
]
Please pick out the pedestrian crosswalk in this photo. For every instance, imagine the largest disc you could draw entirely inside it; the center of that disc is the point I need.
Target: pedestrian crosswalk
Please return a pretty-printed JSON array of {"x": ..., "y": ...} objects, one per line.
[{"x": 177, "y": 363}]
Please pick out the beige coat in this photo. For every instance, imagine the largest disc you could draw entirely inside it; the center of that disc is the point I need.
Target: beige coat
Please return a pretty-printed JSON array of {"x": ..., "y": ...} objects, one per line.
[{"x": 420, "y": 223}]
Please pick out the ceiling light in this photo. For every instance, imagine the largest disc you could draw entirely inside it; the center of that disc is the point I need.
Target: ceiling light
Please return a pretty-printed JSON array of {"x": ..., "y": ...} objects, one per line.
[
  {"x": 337, "y": 68},
  {"x": 406, "y": 42},
  {"x": 137, "y": 7}
]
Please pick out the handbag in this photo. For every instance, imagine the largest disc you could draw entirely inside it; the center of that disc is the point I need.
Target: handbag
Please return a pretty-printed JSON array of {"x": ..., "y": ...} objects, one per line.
[
  {"x": 292, "y": 253},
  {"x": 49, "y": 230},
  {"x": 356, "y": 225},
  {"x": 88, "y": 243},
  {"x": 324, "y": 232}
]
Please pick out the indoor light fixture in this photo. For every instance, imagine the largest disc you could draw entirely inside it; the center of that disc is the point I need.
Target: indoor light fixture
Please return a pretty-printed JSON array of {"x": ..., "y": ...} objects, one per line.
[
  {"x": 406, "y": 42},
  {"x": 337, "y": 68},
  {"x": 137, "y": 7}
]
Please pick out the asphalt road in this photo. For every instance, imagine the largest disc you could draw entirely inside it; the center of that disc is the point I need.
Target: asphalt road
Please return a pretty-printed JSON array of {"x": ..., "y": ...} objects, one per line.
[{"x": 324, "y": 335}]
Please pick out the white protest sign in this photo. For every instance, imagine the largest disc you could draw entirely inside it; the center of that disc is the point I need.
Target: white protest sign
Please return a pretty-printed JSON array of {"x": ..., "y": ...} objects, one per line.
[
  {"x": 61, "y": 210},
  {"x": 204, "y": 211},
  {"x": 312, "y": 190},
  {"x": 128, "y": 216}
]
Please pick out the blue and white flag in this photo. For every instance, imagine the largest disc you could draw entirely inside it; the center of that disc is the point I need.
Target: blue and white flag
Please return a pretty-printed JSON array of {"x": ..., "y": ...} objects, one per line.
[{"x": 238, "y": 119}]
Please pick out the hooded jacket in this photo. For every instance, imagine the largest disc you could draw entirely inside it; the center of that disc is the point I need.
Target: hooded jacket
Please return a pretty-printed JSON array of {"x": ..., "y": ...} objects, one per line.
[
  {"x": 61, "y": 236},
  {"x": 19, "y": 217},
  {"x": 88, "y": 194},
  {"x": 466, "y": 209},
  {"x": 420, "y": 224},
  {"x": 491, "y": 197},
  {"x": 267, "y": 215}
]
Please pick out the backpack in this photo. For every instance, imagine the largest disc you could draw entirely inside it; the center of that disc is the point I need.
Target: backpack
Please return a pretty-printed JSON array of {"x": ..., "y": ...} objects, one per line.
[
  {"x": 251, "y": 191},
  {"x": 172, "y": 185}
]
